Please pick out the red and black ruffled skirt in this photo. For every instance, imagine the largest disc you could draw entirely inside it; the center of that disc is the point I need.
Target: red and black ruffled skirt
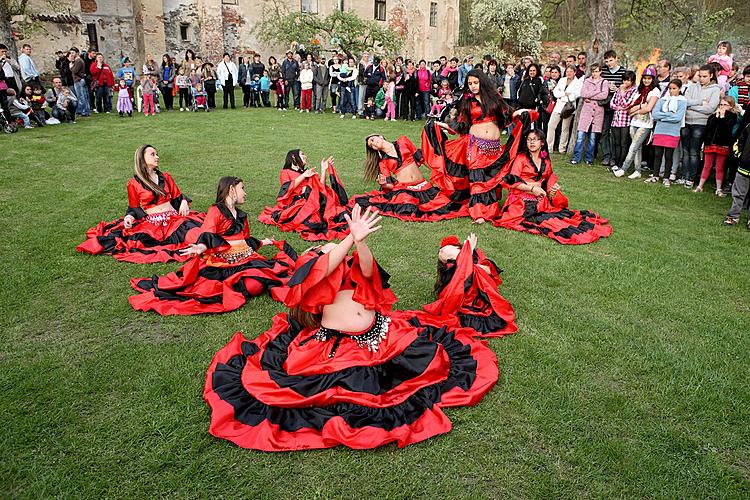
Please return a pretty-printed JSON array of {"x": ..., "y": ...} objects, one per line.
[
  {"x": 210, "y": 284},
  {"x": 313, "y": 220},
  {"x": 155, "y": 238},
  {"x": 284, "y": 391},
  {"x": 416, "y": 202},
  {"x": 553, "y": 219}
]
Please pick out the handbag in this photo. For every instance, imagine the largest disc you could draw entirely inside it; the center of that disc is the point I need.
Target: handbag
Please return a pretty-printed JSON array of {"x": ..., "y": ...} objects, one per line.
[
  {"x": 550, "y": 106},
  {"x": 567, "y": 111}
]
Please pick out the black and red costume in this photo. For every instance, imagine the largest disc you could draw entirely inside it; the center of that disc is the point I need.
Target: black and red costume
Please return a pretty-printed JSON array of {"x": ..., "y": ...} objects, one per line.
[
  {"x": 312, "y": 209},
  {"x": 419, "y": 201},
  {"x": 295, "y": 388},
  {"x": 221, "y": 279},
  {"x": 469, "y": 299},
  {"x": 524, "y": 211},
  {"x": 471, "y": 168},
  {"x": 152, "y": 237}
]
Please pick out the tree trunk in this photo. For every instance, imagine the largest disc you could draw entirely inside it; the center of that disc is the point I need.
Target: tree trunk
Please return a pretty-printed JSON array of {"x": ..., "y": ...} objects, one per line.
[
  {"x": 602, "y": 16},
  {"x": 6, "y": 33}
]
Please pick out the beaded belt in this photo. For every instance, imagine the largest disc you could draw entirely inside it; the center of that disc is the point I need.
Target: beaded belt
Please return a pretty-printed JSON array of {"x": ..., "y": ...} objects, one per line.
[
  {"x": 161, "y": 218},
  {"x": 417, "y": 187},
  {"x": 487, "y": 147},
  {"x": 369, "y": 339},
  {"x": 235, "y": 254}
]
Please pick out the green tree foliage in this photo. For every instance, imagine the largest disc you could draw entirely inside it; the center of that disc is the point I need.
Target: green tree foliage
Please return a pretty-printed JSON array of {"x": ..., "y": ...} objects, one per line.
[
  {"x": 342, "y": 30},
  {"x": 508, "y": 26}
]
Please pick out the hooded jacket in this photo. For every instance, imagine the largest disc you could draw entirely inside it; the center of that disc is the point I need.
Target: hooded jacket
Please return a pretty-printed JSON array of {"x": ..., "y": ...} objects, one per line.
[{"x": 696, "y": 95}]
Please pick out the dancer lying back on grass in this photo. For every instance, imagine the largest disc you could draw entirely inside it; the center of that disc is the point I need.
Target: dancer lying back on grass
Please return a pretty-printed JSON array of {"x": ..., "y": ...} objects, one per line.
[{"x": 158, "y": 221}]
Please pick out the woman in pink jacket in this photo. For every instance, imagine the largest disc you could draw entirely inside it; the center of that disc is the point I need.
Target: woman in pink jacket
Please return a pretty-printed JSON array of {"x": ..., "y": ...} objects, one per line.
[
  {"x": 424, "y": 79},
  {"x": 595, "y": 89}
]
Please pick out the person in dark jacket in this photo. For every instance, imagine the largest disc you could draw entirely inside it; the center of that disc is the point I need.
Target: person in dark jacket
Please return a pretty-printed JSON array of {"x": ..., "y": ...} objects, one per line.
[
  {"x": 374, "y": 78},
  {"x": 717, "y": 143},
  {"x": 533, "y": 93},
  {"x": 290, "y": 73},
  {"x": 741, "y": 184},
  {"x": 410, "y": 92}
]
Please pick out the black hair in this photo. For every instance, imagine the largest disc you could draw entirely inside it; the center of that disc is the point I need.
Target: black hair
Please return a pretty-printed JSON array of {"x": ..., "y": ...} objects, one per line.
[
  {"x": 225, "y": 184},
  {"x": 610, "y": 53},
  {"x": 711, "y": 70},
  {"x": 294, "y": 160},
  {"x": 491, "y": 101},
  {"x": 746, "y": 70},
  {"x": 629, "y": 76}
]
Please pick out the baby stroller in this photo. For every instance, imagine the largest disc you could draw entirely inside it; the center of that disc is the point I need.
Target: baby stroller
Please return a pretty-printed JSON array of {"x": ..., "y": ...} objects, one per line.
[
  {"x": 200, "y": 100},
  {"x": 8, "y": 127}
]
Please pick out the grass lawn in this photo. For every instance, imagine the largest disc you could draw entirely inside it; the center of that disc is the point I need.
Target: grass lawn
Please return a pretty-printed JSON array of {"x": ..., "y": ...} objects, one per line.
[{"x": 628, "y": 377}]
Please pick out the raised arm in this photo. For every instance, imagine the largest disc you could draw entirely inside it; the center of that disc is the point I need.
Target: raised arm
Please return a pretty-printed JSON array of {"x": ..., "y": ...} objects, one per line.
[{"x": 362, "y": 225}]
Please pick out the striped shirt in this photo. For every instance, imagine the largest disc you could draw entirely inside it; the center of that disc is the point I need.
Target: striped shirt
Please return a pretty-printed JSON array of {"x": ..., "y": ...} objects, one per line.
[{"x": 613, "y": 76}]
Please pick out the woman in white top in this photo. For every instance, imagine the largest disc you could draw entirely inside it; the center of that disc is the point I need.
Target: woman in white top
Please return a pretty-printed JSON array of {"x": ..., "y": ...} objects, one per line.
[
  {"x": 567, "y": 90},
  {"x": 642, "y": 123},
  {"x": 226, "y": 72}
]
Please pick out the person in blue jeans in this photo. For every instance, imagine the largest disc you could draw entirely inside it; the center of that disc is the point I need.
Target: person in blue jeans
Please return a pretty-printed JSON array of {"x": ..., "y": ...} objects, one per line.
[{"x": 594, "y": 89}]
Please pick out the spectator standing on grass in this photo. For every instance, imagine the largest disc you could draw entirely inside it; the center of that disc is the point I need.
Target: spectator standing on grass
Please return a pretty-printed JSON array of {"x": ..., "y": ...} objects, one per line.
[
  {"x": 362, "y": 66},
  {"x": 150, "y": 67},
  {"x": 29, "y": 73},
  {"x": 347, "y": 88},
  {"x": 10, "y": 68},
  {"x": 740, "y": 90},
  {"x": 669, "y": 118},
  {"x": 334, "y": 70},
  {"x": 613, "y": 73},
  {"x": 435, "y": 79},
  {"x": 450, "y": 72},
  {"x": 410, "y": 93},
  {"x": 424, "y": 83},
  {"x": 104, "y": 81},
  {"x": 320, "y": 86},
  {"x": 702, "y": 101},
  {"x": 290, "y": 74},
  {"x": 532, "y": 93},
  {"x": 620, "y": 104},
  {"x": 581, "y": 61},
  {"x": 265, "y": 90},
  {"x": 62, "y": 101},
  {"x": 183, "y": 88},
  {"x": 594, "y": 89},
  {"x": 718, "y": 141},
  {"x": 493, "y": 76},
  {"x": 166, "y": 80},
  {"x": 274, "y": 75},
  {"x": 467, "y": 66},
  {"x": 78, "y": 70},
  {"x": 567, "y": 91},
  {"x": 127, "y": 73},
  {"x": 663, "y": 75},
  {"x": 641, "y": 123},
  {"x": 226, "y": 72},
  {"x": 741, "y": 184},
  {"x": 306, "y": 82},
  {"x": 208, "y": 77},
  {"x": 243, "y": 80}
]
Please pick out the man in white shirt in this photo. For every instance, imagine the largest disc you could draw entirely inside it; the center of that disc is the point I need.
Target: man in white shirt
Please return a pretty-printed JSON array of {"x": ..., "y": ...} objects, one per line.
[{"x": 29, "y": 73}]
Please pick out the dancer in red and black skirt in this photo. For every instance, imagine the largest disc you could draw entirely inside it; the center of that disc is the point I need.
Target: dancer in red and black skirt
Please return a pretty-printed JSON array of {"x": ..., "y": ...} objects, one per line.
[
  {"x": 536, "y": 204},
  {"x": 404, "y": 193},
  {"x": 305, "y": 204},
  {"x": 468, "y": 297},
  {"x": 341, "y": 368},
  {"x": 471, "y": 166},
  {"x": 158, "y": 221},
  {"x": 226, "y": 269}
]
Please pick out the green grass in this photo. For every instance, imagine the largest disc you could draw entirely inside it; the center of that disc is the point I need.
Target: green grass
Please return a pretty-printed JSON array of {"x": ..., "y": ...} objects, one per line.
[{"x": 628, "y": 377}]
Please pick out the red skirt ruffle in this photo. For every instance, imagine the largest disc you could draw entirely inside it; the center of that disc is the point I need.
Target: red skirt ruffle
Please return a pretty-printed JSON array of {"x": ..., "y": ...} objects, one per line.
[
  {"x": 313, "y": 221},
  {"x": 417, "y": 202},
  {"x": 145, "y": 242},
  {"x": 198, "y": 288},
  {"x": 524, "y": 212},
  {"x": 282, "y": 392}
]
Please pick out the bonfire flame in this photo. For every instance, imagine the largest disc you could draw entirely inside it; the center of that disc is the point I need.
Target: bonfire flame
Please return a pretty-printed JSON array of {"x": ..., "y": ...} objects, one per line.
[{"x": 653, "y": 58}]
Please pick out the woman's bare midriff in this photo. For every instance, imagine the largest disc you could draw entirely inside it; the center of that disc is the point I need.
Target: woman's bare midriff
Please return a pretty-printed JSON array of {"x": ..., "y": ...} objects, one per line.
[
  {"x": 489, "y": 131},
  {"x": 164, "y": 207},
  {"x": 345, "y": 315},
  {"x": 409, "y": 174}
]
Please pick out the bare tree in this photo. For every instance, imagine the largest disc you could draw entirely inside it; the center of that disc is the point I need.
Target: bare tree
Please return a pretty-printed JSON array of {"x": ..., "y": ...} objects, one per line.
[{"x": 601, "y": 13}]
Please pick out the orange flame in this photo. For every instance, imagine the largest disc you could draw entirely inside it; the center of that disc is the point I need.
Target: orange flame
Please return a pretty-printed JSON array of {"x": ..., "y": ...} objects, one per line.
[{"x": 653, "y": 58}]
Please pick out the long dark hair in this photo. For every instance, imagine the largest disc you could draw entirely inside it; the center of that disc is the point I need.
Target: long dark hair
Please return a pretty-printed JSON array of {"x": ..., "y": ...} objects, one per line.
[
  {"x": 293, "y": 159},
  {"x": 168, "y": 63},
  {"x": 445, "y": 272},
  {"x": 372, "y": 160},
  {"x": 711, "y": 70},
  {"x": 225, "y": 184},
  {"x": 141, "y": 171},
  {"x": 543, "y": 151},
  {"x": 526, "y": 75},
  {"x": 491, "y": 101},
  {"x": 306, "y": 319}
]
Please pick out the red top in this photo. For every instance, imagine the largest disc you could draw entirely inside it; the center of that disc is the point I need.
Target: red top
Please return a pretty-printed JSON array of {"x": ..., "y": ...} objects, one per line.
[
  {"x": 476, "y": 113},
  {"x": 286, "y": 179},
  {"x": 523, "y": 171},
  {"x": 141, "y": 198},
  {"x": 310, "y": 288},
  {"x": 103, "y": 76},
  {"x": 220, "y": 227},
  {"x": 406, "y": 154}
]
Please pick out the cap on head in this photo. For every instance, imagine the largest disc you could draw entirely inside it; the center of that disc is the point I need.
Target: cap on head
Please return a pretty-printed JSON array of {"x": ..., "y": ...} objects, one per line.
[{"x": 649, "y": 71}]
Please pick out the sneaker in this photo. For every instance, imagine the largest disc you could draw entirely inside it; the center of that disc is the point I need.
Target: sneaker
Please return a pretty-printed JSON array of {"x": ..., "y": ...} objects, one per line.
[
  {"x": 619, "y": 172},
  {"x": 95, "y": 111},
  {"x": 666, "y": 183},
  {"x": 28, "y": 126},
  {"x": 589, "y": 163},
  {"x": 182, "y": 109},
  {"x": 354, "y": 117},
  {"x": 651, "y": 180},
  {"x": 672, "y": 177},
  {"x": 688, "y": 184},
  {"x": 680, "y": 182},
  {"x": 573, "y": 162},
  {"x": 343, "y": 116},
  {"x": 613, "y": 168},
  {"x": 731, "y": 221},
  {"x": 635, "y": 175},
  {"x": 720, "y": 193}
]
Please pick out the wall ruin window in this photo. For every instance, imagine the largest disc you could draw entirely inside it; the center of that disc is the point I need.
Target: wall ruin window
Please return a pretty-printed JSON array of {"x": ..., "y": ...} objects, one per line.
[
  {"x": 380, "y": 10},
  {"x": 309, "y": 6},
  {"x": 433, "y": 14},
  {"x": 93, "y": 39},
  {"x": 184, "y": 35}
]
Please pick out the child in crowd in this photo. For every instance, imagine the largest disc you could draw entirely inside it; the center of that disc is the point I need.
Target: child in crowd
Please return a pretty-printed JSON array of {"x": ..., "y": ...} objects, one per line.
[
  {"x": 723, "y": 57},
  {"x": 390, "y": 98},
  {"x": 370, "y": 111},
  {"x": 380, "y": 101},
  {"x": 718, "y": 143},
  {"x": 127, "y": 73},
  {"x": 124, "y": 104},
  {"x": 445, "y": 97},
  {"x": 148, "y": 86},
  {"x": 199, "y": 97},
  {"x": 741, "y": 184},
  {"x": 195, "y": 78},
  {"x": 265, "y": 89},
  {"x": 20, "y": 108},
  {"x": 669, "y": 118},
  {"x": 183, "y": 87},
  {"x": 38, "y": 103}
]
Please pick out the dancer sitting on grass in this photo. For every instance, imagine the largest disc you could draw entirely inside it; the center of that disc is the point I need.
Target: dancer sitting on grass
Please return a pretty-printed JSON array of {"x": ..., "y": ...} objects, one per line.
[
  {"x": 536, "y": 204},
  {"x": 341, "y": 368},
  {"x": 305, "y": 204},
  {"x": 158, "y": 221},
  {"x": 225, "y": 270},
  {"x": 404, "y": 193},
  {"x": 470, "y": 167},
  {"x": 468, "y": 297}
]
